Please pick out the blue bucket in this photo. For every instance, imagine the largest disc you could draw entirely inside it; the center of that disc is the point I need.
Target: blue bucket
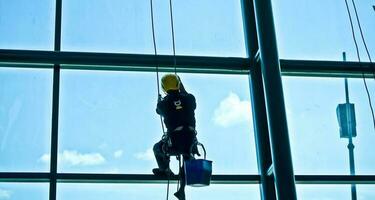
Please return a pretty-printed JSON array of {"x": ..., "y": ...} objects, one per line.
[{"x": 198, "y": 172}]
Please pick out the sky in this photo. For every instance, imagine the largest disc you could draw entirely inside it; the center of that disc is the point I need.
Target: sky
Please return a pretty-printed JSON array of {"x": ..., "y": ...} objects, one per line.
[{"x": 107, "y": 119}]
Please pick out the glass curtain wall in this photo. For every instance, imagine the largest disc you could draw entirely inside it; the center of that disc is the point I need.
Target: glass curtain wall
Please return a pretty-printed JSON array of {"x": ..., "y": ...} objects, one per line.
[{"x": 106, "y": 118}]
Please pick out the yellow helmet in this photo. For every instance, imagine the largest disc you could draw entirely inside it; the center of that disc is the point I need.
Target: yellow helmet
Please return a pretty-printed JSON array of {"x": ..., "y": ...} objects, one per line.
[{"x": 170, "y": 82}]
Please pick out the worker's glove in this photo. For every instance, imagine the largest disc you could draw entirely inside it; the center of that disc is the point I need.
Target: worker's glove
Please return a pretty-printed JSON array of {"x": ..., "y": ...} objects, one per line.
[
  {"x": 195, "y": 150},
  {"x": 160, "y": 98}
]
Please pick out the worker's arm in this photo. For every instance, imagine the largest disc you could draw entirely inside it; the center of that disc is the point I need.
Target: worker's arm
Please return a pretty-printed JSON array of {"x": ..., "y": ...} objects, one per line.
[
  {"x": 160, "y": 105},
  {"x": 182, "y": 88},
  {"x": 191, "y": 97},
  {"x": 193, "y": 102}
]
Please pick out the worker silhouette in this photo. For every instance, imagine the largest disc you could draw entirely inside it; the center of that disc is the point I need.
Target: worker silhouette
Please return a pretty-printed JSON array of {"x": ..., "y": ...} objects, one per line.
[{"x": 177, "y": 108}]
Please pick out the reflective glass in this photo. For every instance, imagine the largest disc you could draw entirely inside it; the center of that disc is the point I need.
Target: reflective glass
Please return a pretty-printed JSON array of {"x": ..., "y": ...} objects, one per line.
[
  {"x": 320, "y": 30},
  {"x": 25, "y": 118},
  {"x": 209, "y": 27},
  {"x": 334, "y": 192},
  {"x": 108, "y": 122},
  {"x": 107, "y": 26},
  {"x": 314, "y": 129},
  {"x": 153, "y": 191},
  {"x": 365, "y": 192},
  {"x": 205, "y": 28},
  {"x": 27, "y": 24},
  {"x": 30, "y": 191}
]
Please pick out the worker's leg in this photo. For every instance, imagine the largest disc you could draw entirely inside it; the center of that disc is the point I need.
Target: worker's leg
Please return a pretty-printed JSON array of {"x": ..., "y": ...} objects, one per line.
[
  {"x": 180, "y": 194},
  {"x": 183, "y": 142},
  {"x": 161, "y": 158}
]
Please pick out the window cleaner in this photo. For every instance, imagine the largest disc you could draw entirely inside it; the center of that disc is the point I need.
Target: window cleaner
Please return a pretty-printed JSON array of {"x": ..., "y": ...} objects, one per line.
[{"x": 177, "y": 108}]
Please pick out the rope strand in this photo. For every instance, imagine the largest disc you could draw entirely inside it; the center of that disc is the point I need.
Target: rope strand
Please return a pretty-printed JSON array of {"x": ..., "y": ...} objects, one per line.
[
  {"x": 157, "y": 77},
  {"x": 173, "y": 40},
  {"x": 359, "y": 59},
  {"x": 154, "y": 42},
  {"x": 157, "y": 65},
  {"x": 169, "y": 177},
  {"x": 360, "y": 30}
]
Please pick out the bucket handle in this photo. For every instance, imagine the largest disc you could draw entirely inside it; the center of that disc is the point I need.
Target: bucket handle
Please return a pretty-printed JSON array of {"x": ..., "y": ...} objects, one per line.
[{"x": 199, "y": 144}]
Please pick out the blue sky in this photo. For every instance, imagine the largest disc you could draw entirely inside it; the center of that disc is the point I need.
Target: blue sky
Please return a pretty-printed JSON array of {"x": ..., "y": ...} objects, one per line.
[{"x": 107, "y": 119}]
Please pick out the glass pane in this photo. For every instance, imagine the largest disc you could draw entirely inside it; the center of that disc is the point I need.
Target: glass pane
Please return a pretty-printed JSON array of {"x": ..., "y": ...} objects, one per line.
[
  {"x": 25, "y": 118},
  {"x": 125, "y": 27},
  {"x": 333, "y": 192},
  {"x": 17, "y": 191},
  {"x": 107, "y": 26},
  {"x": 320, "y": 30},
  {"x": 153, "y": 191},
  {"x": 27, "y": 24},
  {"x": 108, "y": 122},
  {"x": 209, "y": 27},
  {"x": 366, "y": 192},
  {"x": 314, "y": 130}
]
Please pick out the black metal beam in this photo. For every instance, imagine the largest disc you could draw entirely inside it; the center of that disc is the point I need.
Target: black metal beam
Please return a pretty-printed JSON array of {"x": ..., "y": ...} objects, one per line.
[
  {"x": 118, "y": 178},
  {"x": 125, "y": 60},
  {"x": 326, "y": 68},
  {"x": 54, "y": 130},
  {"x": 149, "y": 179},
  {"x": 134, "y": 62},
  {"x": 58, "y": 19},
  {"x": 24, "y": 177},
  {"x": 261, "y": 133},
  {"x": 276, "y": 114},
  {"x": 144, "y": 178},
  {"x": 335, "y": 179},
  {"x": 249, "y": 24},
  {"x": 55, "y": 104}
]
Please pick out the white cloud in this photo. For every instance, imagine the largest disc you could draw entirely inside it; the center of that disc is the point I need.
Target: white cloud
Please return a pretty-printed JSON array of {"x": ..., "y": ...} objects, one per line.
[
  {"x": 45, "y": 158},
  {"x": 5, "y": 194},
  {"x": 74, "y": 158},
  {"x": 232, "y": 111},
  {"x": 148, "y": 155},
  {"x": 118, "y": 153}
]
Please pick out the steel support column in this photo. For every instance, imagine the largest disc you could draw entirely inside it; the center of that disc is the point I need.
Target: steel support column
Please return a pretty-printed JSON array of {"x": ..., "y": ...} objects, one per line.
[
  {"x": 55, "y": 105},
  {"x": 261, "y": 134},
  {"x": 277, "y": 123}
]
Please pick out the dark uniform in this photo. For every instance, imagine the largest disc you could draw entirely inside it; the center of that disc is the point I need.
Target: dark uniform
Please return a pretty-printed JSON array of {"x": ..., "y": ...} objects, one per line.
[{"x": 177, "y": 108}]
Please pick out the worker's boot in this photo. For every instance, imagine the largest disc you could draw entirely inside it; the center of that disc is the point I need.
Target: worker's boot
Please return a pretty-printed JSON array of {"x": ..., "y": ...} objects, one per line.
[
  {"x": 180, "y": 194},
  {"x": 161, "y": 172}
]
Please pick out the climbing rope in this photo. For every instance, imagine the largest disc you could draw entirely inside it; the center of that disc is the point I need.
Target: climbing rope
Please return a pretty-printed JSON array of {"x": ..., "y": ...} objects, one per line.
[
  {"x": 173, "y": 40},
  {"x": 157, "y": 65},
  {"x": 169, "y": 177},
  {"x": 359, "y": 57},
  {"x": 157, "y": 71}
]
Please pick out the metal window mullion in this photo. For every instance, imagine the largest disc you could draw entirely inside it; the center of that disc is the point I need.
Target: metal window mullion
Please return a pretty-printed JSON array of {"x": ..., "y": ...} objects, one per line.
[
  {"x": 55, "y": 104},
  {"x": 144, "y": 62},
  {"x": 276, "y": 114},
  {"x": 261, "y": 133},
  {"x": 35, "y": 177}
]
